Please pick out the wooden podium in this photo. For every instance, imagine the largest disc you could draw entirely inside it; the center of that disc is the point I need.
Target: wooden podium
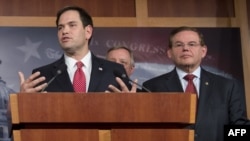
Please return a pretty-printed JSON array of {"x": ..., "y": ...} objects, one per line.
[{"x": 102, "y": 116}]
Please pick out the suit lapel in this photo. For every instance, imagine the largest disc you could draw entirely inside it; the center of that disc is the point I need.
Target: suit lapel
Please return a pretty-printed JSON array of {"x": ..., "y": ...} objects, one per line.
[
  {"x": 206, "y": 86},
  {"x": 62, "y": 80},
  {"x": 173, "y": 83},
  {"x": 96, "y": 73}
]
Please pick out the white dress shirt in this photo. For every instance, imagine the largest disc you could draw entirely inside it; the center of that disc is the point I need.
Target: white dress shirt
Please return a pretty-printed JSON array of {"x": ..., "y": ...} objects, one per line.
[
  {"x": 71, "y": 67},
  {"x": 196, "y": 80}
]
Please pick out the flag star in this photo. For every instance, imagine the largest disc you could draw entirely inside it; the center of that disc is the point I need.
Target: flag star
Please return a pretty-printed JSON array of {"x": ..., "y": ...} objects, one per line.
[{"x": 30, "y": 49}]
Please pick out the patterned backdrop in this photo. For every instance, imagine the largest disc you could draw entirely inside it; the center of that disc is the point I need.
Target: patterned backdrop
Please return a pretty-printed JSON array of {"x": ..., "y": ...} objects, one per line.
[{"x": 25, "y": 48}]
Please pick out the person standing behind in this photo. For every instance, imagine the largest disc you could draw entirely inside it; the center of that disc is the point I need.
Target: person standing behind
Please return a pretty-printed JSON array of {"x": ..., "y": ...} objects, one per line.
[
  {"x": 124, "y": 56},
  {"x": 5, "y": 91},
  {"x": 221, "y": 101},
  {"x": 4, "y": 118},
  {"x": 75, "y": 28}
]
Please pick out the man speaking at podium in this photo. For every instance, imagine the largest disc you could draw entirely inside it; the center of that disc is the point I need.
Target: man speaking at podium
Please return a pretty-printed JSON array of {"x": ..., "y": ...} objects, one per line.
[{"x": 78, "y": 70}]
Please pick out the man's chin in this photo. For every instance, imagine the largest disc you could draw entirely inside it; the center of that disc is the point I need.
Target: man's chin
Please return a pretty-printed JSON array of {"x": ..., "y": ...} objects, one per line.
[
  {"x": 187, "y": 65},
  {"x": 68, "y": 50}
]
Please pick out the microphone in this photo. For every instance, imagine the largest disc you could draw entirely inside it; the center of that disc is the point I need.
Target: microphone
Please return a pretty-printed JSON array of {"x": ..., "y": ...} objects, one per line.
[
  {"x": 58, "y": 72},
  {"x": 124, "y": 76}
]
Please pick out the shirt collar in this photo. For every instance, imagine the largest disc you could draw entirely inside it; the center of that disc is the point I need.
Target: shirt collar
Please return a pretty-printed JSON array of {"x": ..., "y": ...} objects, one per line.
[
  {"x": 181, "y": 73},
  {"x": 70, "y": 62}
]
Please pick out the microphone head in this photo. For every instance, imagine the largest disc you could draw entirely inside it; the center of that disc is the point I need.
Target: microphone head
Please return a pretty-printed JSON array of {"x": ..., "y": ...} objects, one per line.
[
  {"x": 120, "y": 74},
  {"x": 61, "y": 68},
  {"x": 124, "y": 75}
]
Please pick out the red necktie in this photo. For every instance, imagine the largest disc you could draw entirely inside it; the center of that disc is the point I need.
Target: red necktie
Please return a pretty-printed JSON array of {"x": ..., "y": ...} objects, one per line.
[
  {"x": 190, "y": 86},
  {"x": 79, "y": 81}
]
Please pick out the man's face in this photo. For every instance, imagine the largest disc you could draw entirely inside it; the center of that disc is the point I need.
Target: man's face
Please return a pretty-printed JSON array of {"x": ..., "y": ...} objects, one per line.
[
  {"x": 72, "y": 35},
  {"x": 187, "y": 50},
  {"x": 121, "y": 56}
]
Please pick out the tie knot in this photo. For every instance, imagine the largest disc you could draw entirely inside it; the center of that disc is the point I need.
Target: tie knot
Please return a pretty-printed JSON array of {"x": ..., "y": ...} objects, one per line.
[
  {"x": 79, "y": 64},
  {"x": 189, "y": 77}
]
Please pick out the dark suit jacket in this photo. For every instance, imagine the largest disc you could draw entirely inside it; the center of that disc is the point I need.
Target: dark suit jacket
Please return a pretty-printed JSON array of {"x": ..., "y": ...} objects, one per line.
[
  {"x": 101, "y": 75},
  {"x": 221, "y": 102}
]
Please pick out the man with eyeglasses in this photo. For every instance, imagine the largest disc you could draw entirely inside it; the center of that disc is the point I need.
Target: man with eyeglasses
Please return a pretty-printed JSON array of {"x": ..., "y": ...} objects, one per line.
[{"x": 221, "y": 101}]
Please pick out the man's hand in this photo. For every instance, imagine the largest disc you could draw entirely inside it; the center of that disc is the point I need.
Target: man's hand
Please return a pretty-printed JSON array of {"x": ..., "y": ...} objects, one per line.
[
  {"x": 30, "y": 85},
  {"x": 124, "y": 88}
]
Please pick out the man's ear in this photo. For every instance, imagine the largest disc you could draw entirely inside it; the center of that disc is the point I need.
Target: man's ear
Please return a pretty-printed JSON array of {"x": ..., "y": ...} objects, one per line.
[
  {"x": 88, "y": 31},
  {"x": 132, "y": 68},
  {"x": 168, "y": 53},
  {"x": 204, "y": 51}
]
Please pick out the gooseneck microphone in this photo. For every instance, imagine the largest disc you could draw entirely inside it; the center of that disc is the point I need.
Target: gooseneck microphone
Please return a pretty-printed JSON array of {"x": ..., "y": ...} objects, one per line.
[
  {"x": 124, "y": 76},
  {"x": 61, "y": 68}
]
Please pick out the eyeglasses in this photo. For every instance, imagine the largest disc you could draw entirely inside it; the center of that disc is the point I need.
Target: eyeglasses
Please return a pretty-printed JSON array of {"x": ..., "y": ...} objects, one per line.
[{"x": 190, "y": 45}]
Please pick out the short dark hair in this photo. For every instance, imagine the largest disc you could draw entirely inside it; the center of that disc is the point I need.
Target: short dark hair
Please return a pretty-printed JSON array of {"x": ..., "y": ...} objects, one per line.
[
  {"x": 184, "y": 28},
  {"x": 84, "y": 15}
]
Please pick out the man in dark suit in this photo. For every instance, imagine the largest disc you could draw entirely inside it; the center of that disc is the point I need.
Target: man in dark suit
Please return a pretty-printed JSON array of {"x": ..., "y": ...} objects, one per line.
[
  {"x": 221, "y": 101},
  {"x": 124, "y": 56},
  {"x": 75, "y": 28}
]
